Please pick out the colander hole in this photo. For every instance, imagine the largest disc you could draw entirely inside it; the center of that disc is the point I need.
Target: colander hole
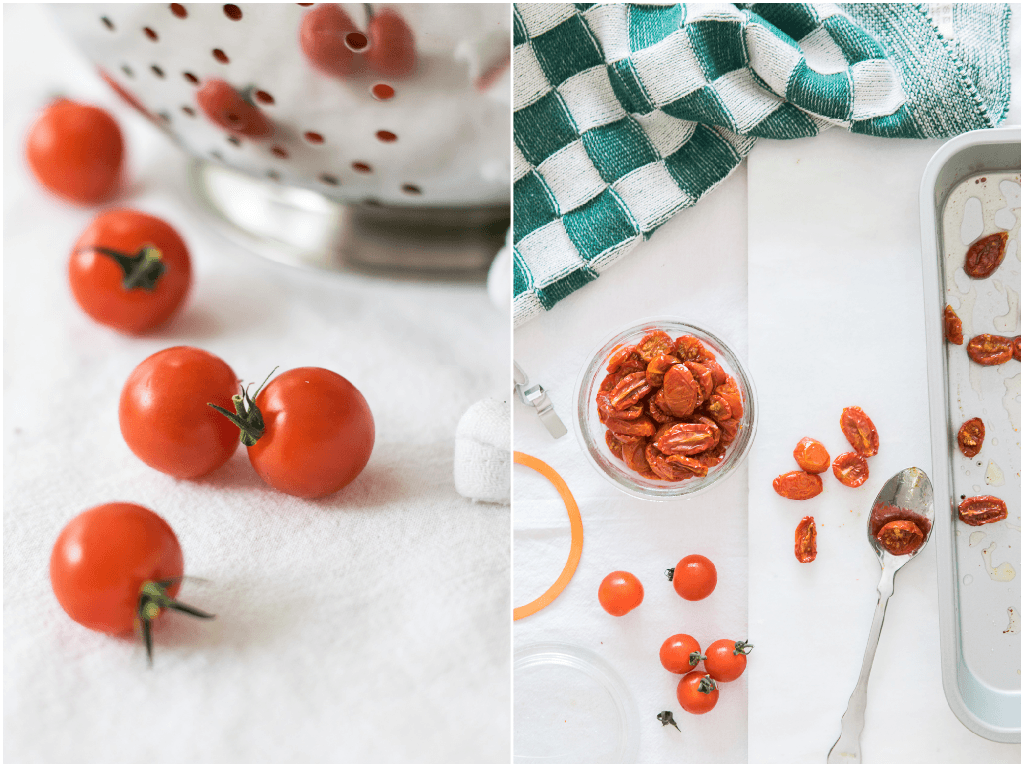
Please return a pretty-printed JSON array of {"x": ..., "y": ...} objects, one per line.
[
  {"x": 327, "y": 178},
  {"x": 361, "y": 167},
  {"x": 411, "y": 189},
  {"x": 220, "y": 56},
  {"x": 234, "y": 141},
  {"x": 151, "y": 33},
  {"x": 382, "y": 92},
  {"x": 157, "y": 70},
  {"x": 127, "y": 70},
  {"x": 233, "y": 12},
  {"x": 313, "y": 138},
  {"x": 263, "y": 97},
  {"x": 179, "y": 10},
  {"x": 107, "y": 23},
  {"x": 273, "y": 175},
  {"x": 386, "y": 136},
  {"x": 356, "y": 41},
  {"x": 190, "y": 77},
  {"x": 279, "y": 151},
  {"x": 304, "y": 5},
  {"x": 189, "y": 111}
]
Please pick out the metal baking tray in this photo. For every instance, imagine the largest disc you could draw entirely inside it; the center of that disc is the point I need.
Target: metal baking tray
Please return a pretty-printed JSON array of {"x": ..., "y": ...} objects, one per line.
[{"x": 971, "y": 187}]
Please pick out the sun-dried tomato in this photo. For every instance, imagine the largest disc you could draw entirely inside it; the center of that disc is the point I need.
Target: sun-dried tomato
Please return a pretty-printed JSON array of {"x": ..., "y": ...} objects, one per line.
[
  {"x": 620, "y": 355},
  {"x": 714, "y": 456},
  {"x": 655, "y": 344},
  {"x": 899, "y": 537},
  {"x": 731, "y": 393},
  {"x": 633, "y": 455},
  {"x": 702, "y": 376},
  {"x": 981, "y": 510},
  {"x": 805, "y": 545},
  {"x": 657, "y": 368},
  {"x": 718, "y": 408},
  {"x": 670, "y": 468},
  {"x": 988, "y": 349},
  {"x": 682, "y": 394},
  {"x": 607, "y": 410},
  {"x": 638, "y": 427},
  {"x": 954, "y": 328},
  {"x": 730, "y": 429},
  {"x": 1016, "y": 348},
  {"x": 970, "y": 437},
  {"x": 630, "y": 390},
  {"x": 716, "y": 430},
  {"x": 985, "y": 255},
  {"x": 690, "y": 348},
  {"x": 811, "y": 456},
  {"x": 859, "y": 430},
  {"x": 613, "y": 444},
  {"x": 609, "y": 382},
  {"x": 718, "y": 374},
  {"x": 797, "y": 485},
  {"x": 685, "y": 439},
  {"x": 851, "y": 469},
  {"x": 657, "y": 408}
]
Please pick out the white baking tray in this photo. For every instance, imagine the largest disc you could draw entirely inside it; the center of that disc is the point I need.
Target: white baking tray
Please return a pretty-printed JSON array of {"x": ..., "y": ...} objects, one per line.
[{"x": 979, "y": 603}]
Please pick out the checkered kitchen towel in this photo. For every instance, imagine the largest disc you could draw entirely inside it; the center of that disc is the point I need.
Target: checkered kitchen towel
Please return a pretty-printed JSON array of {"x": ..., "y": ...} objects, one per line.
[{"x": 624, "y": 114}]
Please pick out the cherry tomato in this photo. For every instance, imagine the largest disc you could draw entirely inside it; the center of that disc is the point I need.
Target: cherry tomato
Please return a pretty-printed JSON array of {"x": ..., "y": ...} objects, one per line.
[
  {"x": 727, "y": 659},
  {"x": 694, "y": 578},
  {"x": 901, "y": 536},
  {"x": 224, "y": 106},
  {"x": 164, "y": 414},
  {"x": 76, "y": 150},
  {"x": 309, "y": 432},
  {"x": 859, "y": 431},
  {"x": 102, "y": 558},
  {"x": 953, "y": 327},
  {"x": 680, "y": 653},
  {"x": 129, "y": 270},
  {"x": 797, "y": 485},
  {"x": 697, "y": 692},
  {"x": 620, "y": 592},
  {"x": 392, "y": 46},
  {"x": 805, "y": 544},
  {"x": 811, "y": 456},
  {"x": 851, "y": 469},
  {"x": 971, "y": 436},
  {"x": 322, "y": 39}
]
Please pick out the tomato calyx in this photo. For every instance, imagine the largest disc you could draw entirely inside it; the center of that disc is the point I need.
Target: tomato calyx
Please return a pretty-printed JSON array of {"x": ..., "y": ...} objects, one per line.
[
  {"x": 154, "y": 599},
  {"x": 707, "y": 685},
  {"x": 665, "y": 717},
  {"x": 695, "y": 658},
  {"x": 247, "y": 417},
  {"x": 143, "y": 270},
  {"x": 743, "y": 647},
  {"x": 670, "y": 573}
]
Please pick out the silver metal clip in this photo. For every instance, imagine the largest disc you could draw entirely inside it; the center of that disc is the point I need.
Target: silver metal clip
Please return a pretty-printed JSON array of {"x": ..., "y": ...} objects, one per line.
[{"x": 536, "y": 397}]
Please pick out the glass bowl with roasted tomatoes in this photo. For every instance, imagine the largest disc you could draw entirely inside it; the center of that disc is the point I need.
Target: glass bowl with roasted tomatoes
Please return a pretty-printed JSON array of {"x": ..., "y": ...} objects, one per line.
[{"x": 664, "y": 409}]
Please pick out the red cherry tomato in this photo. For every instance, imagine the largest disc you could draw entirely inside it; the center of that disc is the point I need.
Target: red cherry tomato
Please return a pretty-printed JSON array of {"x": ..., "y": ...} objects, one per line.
[
  {"x": 322, "y": 39},
  {"x": 316, "y": 435},
  {"x": 225, "y": 107},
  {"x": 129, "y": 270},
  {"x": 697, "y": 692},
  {"x": 76, "y": 150},
  {"x": 164, "y": 414},
  {"x": 102, "y": 558},
  {"x": 680, "y": 653},
  {"x": 694, "y": 578},
  {"x": 727, "y": 659},
  {"x": 392, "y": 45},
  {"x": 620, "y": 592}
]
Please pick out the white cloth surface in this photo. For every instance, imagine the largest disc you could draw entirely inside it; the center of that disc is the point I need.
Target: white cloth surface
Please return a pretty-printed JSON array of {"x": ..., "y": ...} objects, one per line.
[
  {"x": 694, "y": 267},
  {"x": 371, "y": 625},
  {"x": 483, "y": 452}
]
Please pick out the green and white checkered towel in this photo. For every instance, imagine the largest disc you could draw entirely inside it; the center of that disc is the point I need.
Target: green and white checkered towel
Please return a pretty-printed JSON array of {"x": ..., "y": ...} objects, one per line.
[{"x": 624, "y": 114}]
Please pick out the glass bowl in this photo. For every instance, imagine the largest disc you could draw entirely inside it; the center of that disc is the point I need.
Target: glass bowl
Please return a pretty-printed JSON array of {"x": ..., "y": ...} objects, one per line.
[{"x": 591, "y": 432}]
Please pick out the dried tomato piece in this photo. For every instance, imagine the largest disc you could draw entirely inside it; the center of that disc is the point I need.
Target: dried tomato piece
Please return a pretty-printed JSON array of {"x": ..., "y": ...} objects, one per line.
[
  {"x": 811, "y": 456},
  {"x": 630, "y": 390},
  {"x": 718, "y": 408},
  {"x": 797, "y": 485},
  {"x": 613, "y": 444},
  {"x": 859, "y": 431},
  {"x": 681, "y": 391},
  {"x": 731, "y": 392},
  {"x": 690, "y": 348},
  {"x": 988, "y": 349},
  {"x": 654, "y": 344},
  {"x": 688, "y": 463},
  {"x": 716, "y": 431},
  {"x": 730, "y": 428},
  {"x": 703, "y": 377},
  {"x": 685, "y": 439},
  {"x": 657, "y": 408},
  {"x": 718, "y": 374},
  {"x": 970, "y": 437},
  {"x": 606, "y": 410},
  {"x": 981, "y": 510},
  {"x": 985, "y": 255},
  {"x": 633, "y": 455},
  {"x": 851, "y": 469},
  {"x": 639, "y": 427},
  {"x": 666, "y": 470},
  {"x": 899, "y": 537},
  {"x": 805, "y": 545},
  {"x": 1016, "y": 348},
  {"x": 619, "y": 355},
  {"x": 712, "y": 457},
  {"x": 657, "y": 368},
  {"x": 954, "y": 328}
]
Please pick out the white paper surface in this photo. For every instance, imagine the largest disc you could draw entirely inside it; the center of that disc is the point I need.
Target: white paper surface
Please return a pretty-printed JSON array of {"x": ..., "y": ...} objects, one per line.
[
  {"x": 371, "y": 625},
  {"x": 694, "y": 268}
]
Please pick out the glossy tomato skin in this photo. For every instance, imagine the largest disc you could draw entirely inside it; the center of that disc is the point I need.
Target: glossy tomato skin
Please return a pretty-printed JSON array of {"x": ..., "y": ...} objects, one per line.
[
  {"x": 226, "y": 108},
  {"x": 724, "y": 663},
  {"x": 676, "y": 652},
  {"x": 691, "y": 698},
  {"x": 319, "y": 433},
  {"x": 322, "y": 39},
  {"x": 620, "y": 592},
  {"x": 97, "y": 281},
  {"x": 76, "y": 151},
  {"x": 102, "y": 558},
  {"x": 392, "y": 45},
  {"x": 164, "y": 414},
  {"x": 695, "y": 577}
]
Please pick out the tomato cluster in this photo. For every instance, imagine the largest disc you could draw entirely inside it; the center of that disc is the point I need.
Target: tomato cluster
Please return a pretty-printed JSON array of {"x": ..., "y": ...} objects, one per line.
[{"x": 670, "y": 409}]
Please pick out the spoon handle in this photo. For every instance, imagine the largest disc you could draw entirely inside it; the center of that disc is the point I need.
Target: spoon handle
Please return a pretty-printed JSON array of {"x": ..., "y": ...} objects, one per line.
[{"x": 847, "y": 749}]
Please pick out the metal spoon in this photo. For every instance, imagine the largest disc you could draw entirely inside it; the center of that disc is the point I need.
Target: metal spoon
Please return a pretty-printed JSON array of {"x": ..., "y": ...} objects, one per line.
[{"x": 912, "y": 490}]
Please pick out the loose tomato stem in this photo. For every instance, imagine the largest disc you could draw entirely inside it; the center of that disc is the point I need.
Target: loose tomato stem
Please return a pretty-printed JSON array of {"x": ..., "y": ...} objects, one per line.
[
  {"x": 153, "y": 599},
  {"x": 743, "y": 647},
  {"x": 670, "y": 573},
  {"x": 247, "y": 417},
  {"x": 707, "y": 685},
  {"x": 143, "y": 270},
  {"x": 665, "y": 717}
]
